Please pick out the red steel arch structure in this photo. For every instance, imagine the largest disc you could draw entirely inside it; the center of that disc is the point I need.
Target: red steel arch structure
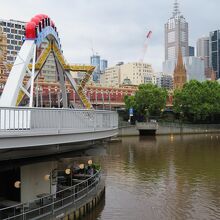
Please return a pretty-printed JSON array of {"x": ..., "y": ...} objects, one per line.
[{"x": 38, "y": 30}]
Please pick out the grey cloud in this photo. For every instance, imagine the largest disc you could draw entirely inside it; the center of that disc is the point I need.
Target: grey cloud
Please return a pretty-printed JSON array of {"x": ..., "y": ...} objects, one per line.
[{"x": 117, "y": 27}]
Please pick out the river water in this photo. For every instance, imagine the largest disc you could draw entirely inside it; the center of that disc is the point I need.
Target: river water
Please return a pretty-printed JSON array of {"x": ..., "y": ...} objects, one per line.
[
  {"x": 155, "y": 178},
  {"x": 167, "y": 177}
]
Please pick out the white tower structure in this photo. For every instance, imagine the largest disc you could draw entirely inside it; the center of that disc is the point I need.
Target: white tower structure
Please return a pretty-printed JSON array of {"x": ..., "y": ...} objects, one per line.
[{"x": 176, "y": 35}]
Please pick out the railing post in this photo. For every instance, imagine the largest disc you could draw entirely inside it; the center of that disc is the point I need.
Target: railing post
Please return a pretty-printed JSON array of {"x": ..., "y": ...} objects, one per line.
[
  {"x": 95, "y": 117},
  {"x": 73, "y": 196},
  {"x": 52, "y": 204},
  {"x": 59, "y": 121},
  {"x": 87, "y": 186},
  {"x": 23, "y": 214}
]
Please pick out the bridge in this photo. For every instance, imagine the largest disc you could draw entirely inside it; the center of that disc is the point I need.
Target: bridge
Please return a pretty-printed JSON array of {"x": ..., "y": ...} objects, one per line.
[{"x": 28, "y": 125}]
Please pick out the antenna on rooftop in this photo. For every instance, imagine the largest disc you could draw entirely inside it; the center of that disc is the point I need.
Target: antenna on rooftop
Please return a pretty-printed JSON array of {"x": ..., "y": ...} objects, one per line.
[{"x": 176, "y": 10}]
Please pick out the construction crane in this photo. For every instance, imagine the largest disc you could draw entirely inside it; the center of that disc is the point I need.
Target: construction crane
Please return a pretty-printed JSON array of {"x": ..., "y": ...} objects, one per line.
[{"x": 144, "y": 50}]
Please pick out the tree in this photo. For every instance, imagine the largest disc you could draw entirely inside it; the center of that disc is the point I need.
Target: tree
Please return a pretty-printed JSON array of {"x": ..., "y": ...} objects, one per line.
[
  {"x": 198, "y": 101},
  {"x": 148, "y": 100},
  {"x": 130, "y": 102}
]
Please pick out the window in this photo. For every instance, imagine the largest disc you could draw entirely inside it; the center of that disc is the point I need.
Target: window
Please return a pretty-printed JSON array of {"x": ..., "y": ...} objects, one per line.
[
  {"x": 17, "y": 37},
  {"x": 171, "y": 37},
  {"x": 17, "y": 48},
  {"x": 10, "y": 47},
  {"x": 171, "y": 53}
]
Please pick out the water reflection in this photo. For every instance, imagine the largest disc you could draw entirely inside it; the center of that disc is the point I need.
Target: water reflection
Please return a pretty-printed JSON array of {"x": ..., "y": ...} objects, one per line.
[
  {"x": 164, "y": 178},
  {"x": 167, "y": 177}
]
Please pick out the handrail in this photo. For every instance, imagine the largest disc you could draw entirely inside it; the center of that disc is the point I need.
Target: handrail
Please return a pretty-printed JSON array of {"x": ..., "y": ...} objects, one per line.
[
  {"x": 68, "y": 193},
  {"x": 56, "y": 120},
  {"x": 57, "y": 109}
]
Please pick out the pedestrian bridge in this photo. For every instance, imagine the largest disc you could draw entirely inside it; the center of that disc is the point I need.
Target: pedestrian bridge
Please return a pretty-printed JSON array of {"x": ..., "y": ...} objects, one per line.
[
  {"x": 29, "y": 127},
  {"x": 32, "y": 126}
]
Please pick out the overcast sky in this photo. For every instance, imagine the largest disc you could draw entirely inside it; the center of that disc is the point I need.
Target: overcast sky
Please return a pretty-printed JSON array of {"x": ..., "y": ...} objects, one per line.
[{"x": 115, "y": 29}]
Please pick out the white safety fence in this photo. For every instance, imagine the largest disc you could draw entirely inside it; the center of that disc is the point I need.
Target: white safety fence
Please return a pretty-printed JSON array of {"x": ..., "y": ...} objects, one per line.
[{"x": 57, "y": 120}]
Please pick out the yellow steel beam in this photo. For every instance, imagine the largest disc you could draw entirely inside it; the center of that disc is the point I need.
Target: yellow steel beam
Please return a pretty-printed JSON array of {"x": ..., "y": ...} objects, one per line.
[
  {"x": 75, "y": 68},
  {"x": 43, "y": 57}
]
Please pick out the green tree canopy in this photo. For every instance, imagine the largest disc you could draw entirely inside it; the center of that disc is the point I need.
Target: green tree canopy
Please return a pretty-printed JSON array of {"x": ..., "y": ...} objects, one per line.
[
  {"x": 148, "y": 100},
  {"x": 198, "y": 101}
]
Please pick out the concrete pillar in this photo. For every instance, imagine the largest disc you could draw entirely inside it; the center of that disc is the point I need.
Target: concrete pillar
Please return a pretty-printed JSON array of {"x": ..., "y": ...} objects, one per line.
[{"x": 37, "y": 179}]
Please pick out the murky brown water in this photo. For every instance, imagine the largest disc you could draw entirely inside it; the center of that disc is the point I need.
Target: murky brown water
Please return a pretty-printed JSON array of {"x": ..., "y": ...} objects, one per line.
[{"x": 161, "y": 178}]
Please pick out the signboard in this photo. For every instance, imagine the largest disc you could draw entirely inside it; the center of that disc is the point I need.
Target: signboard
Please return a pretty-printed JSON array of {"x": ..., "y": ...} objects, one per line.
[{"x": 131, "y": 112}]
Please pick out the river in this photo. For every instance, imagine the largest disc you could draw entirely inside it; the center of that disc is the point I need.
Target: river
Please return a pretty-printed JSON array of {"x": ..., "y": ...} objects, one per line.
[
  {"x": 155, "y": 178},
  {"x": 167, "y": 177}
]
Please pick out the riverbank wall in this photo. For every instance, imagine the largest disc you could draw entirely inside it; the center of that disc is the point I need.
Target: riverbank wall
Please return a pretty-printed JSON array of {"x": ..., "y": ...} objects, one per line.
[{"x": 173, "y": 129}]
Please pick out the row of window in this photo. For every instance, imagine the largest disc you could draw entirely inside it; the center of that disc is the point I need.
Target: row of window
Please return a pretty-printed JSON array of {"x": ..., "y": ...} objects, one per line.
[
  {"x": 13, "y": 36},
  {"x": 13, "y": 31},
  {"x": 17, "y": 26},
  {"x": 11, "y": 47}
]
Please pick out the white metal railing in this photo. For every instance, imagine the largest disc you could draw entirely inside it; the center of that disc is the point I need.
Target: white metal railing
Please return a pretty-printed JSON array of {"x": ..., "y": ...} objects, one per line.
[
  {"x": 52, "y": 203},
  {"x": 56, "y": 120}
]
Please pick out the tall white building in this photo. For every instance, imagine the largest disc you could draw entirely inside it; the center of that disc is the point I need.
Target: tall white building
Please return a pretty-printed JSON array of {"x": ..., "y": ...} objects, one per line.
[
  {"x": 15, "y": 34},
  {"x": 136, "y": 73},
  {"x": 202, "y": 51},
  {"x": 195, "y": 68},
  {"x": 176, "y": 35},
  {"x": 111, "y": 76}
]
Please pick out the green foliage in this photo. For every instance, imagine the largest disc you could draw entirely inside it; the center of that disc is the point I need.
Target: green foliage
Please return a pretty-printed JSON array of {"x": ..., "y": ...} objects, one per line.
[
  {"x": 129, "y": 102},
  {"x": 198, "y": 101},
  {"x": 148, "y": 100},
  {"x": 96, "y": 166}
]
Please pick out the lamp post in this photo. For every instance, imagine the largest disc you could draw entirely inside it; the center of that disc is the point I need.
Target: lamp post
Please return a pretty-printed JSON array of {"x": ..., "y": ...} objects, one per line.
[
  {"x": 96, "y": 98},
  {"x": 102, "y": 99},
  {"x": 52, "y": 177},
  {"x": 49, "y": 93},
  {"x": 68, "y": 171},
  {"x": 147, "y": 114},
  {"x": 109, "y": 99},
  {"x": 37, "y": 92},
  {"x": 41, "y": 97}
]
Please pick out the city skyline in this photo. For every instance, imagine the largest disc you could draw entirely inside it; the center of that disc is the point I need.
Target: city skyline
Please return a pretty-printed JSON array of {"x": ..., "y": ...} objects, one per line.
[{"x": 115, "y": 30}]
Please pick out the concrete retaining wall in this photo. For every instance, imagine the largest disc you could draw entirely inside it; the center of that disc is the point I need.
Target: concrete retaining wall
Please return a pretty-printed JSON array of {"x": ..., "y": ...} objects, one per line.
[{"x": 170, "y": 128}]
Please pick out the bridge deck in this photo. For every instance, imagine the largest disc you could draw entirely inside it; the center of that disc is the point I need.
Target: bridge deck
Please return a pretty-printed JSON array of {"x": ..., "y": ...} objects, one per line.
[{"x": 24, "y": 127}]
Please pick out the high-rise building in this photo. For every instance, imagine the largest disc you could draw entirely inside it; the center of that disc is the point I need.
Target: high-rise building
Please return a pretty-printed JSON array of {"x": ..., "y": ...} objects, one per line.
[
  {"x": 95, "y": 61},
  {"x": 194, "y": 68},
  {"x": 191, "y": 51},
  {"x": 214, "y": 52},
  {"x": 15, "y": 34},
  {"x": 202, "y": 51},
  {"x": 165, "y": 81},
  {"x": 3, "y": 53},
  {"x": 111, "y": 76},
  {"x": 137, "y": 73},
  {"x": 14, "y": 31},
  {"x": 176, "y": 35},
  {"x": 103, "y": 65}
]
